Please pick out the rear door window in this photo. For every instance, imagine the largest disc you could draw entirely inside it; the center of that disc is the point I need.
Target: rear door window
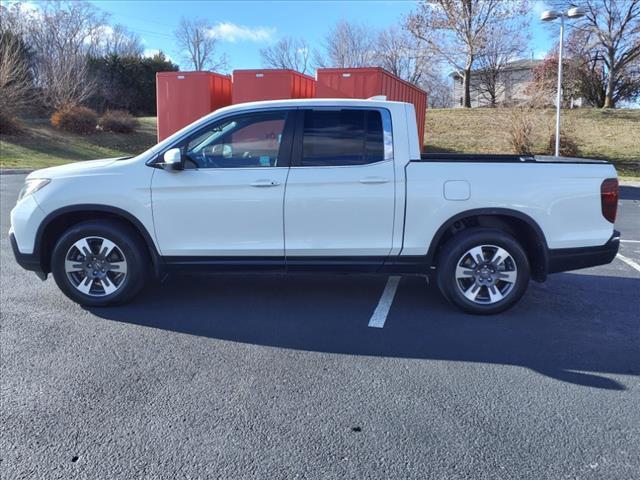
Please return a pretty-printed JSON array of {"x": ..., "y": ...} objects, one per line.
[{"x": 342, "y": 138}]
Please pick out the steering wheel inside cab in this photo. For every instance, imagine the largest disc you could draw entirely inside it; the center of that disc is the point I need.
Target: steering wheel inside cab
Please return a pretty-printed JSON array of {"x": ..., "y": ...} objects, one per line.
[{"x": 213, "y": 156}]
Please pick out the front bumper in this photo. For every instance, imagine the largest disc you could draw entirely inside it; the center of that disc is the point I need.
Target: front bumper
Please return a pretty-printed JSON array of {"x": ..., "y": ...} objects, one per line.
[
  {"x": 28, "y": 261},
  {"x": 565, "y": 259}
]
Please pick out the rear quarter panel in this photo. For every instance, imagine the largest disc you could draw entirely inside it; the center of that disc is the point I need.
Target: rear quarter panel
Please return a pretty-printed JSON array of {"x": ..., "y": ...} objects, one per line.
[{"x": 563, "y": 199}]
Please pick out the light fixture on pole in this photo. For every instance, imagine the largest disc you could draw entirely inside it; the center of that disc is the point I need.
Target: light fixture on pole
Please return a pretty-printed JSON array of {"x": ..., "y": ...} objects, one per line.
[{"x": 549, "y": 16}]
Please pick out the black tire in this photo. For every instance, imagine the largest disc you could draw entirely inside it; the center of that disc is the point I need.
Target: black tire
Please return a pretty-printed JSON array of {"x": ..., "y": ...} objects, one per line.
[
  {"x": 455, "y": 252},
  {"x": 128, "y": 245}
]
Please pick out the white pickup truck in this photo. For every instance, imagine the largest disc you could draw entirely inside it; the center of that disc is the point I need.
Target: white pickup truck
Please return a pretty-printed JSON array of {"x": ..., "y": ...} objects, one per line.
[{"x": 315, "y": 185}]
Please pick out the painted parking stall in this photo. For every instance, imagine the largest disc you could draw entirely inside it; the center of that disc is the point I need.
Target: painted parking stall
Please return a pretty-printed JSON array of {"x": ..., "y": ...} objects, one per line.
[{"x": 226, "y": 373}]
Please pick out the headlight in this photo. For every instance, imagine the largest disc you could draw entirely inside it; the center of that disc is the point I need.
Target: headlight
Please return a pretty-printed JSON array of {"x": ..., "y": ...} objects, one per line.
[{"x": 32, "y": 185}]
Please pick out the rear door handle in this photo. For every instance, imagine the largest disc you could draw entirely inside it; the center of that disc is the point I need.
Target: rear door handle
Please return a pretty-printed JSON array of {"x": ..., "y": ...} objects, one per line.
[
  {"x": 265, "y": 183},
  {"x": 371, "y": 180}
]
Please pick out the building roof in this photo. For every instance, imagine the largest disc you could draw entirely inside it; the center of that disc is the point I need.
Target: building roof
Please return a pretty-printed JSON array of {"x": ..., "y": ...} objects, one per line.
[{"x": 521, "y": 64}]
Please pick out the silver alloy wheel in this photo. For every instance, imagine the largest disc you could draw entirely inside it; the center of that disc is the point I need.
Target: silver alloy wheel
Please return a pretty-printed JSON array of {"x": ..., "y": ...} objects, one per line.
[
  {"x": 95, "y": 266},
  {"x": 486, "y": 274}
]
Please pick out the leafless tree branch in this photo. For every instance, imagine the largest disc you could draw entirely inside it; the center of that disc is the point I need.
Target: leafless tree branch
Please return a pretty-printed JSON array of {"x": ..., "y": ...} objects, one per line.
[
  {"x": 198, "y": 44},
  {"x": 60, "y": 35},
  {"x": 289, "y": 53},
  {"x": 609, "y": 35},
  {"x": 16, "y": 85},
  {"x": 456, "y": 30},
  {"x": 348, "y": 45}
]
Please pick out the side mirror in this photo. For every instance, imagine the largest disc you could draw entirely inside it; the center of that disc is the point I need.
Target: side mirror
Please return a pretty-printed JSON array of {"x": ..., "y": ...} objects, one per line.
[{"x": 172, "y": 160}]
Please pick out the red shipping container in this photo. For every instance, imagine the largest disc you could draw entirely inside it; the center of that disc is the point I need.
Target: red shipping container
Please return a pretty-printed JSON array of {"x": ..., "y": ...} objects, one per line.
[
  {"x": 369, "y": 82},
  {"x": 271, "y": 84},
  {"x": 184, "y": 97}
]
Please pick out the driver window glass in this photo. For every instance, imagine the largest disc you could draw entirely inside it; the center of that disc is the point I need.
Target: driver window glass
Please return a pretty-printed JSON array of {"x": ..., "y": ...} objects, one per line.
[{"x": 244, "y": 141}]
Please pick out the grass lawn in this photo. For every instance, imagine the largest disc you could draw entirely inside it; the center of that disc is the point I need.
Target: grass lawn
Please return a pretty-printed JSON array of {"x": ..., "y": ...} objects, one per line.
[
  {"x": 612, "y": 135},
  {"x": 43, "y": 146}
]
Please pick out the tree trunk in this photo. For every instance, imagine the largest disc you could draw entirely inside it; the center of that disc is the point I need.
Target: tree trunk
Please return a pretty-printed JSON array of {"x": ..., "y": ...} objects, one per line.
[
  {"x": 466, "y": 87},
  {"x": 608, "y": 94}
]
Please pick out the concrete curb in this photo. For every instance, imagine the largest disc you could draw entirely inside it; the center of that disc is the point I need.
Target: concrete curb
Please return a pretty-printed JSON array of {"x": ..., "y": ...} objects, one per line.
[{"x": 15, "y": 171}]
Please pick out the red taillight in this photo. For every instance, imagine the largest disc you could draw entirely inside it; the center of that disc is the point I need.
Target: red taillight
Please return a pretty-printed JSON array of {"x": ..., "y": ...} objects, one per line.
[{"x": 609, "y": 198}]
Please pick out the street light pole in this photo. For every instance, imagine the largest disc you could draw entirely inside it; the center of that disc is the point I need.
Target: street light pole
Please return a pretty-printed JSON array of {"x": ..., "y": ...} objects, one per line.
[
  {"x": 559, "y": 93},
  {"x": 549, "y": 16}
]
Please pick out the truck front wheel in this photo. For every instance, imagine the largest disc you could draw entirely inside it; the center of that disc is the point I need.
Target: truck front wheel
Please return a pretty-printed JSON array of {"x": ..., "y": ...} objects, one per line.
[
  {"x": 483, "y": 271},
  {"x": 99, "y": 263}
]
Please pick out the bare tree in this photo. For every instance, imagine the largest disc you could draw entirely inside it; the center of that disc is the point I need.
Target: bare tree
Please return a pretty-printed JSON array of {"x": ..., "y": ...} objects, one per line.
[
  {"x": 438, "y": 91},
  {"x": 409, "y": 58},
  {"x": 289, "y": 53},
  {"x": 404, "y": 55},
  {"x": 16, "y": 82},
  {"x": 591, "y": 82},
  {"x": 348, "y": 45},
  {"x": 609, "y": 44},
  {"x": 9, "y": 19},
  {"x": 543, "y": 86},
  {"x": 60, "y": 35},
  {"x": 503, "y": 44},
  {"x": 70, "y": 82},
  {"x": 116, "y": 40},
  {"x": 456, "y": 30},
  {"x": 198, "y": 44},
  {"x": 351, "y": 45}
]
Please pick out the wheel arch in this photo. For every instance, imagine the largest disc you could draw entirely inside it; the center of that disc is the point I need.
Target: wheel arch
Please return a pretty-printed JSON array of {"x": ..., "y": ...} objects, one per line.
[
  {"x": 63, "y": 218},
  {"x": 521, "y": 226}
]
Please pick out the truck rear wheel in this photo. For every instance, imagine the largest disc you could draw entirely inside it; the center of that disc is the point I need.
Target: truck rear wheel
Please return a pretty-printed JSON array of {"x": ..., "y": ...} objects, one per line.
[
  {"x": 483, "y": 271},
  {"x": 99, "y": 263}
]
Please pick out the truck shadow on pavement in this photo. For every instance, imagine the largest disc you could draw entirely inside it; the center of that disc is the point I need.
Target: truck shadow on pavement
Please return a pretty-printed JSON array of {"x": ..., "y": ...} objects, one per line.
[
  {"x": 572, "y": 324},
  {"x": 628, "y": 192}
]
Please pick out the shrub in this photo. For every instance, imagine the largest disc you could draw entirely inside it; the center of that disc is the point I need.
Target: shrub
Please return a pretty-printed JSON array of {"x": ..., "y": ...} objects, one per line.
[
  {"x": 75, "y": 119},
  {"x": 10, "y": 125},
  {"x": 119, "y": 121},
  {"x": 520, "y": 124},
  {"x": 568, "y": 146}
]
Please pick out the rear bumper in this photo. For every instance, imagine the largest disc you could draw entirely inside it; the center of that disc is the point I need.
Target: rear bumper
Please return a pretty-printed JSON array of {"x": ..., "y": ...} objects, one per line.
[
  {"x": 565, "y": 259},
  {"x": 28, "y": 261}
]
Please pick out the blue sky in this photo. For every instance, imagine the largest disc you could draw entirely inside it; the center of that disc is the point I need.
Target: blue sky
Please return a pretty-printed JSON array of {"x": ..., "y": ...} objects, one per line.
[{"x": 246, "y": 26}]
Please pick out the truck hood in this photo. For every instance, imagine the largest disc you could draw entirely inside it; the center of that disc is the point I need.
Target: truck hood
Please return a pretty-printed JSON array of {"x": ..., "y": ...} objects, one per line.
[{"x": 75, "y": 168}]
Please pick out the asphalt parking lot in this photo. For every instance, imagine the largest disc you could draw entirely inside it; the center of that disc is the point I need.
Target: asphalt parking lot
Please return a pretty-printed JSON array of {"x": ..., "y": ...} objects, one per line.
[{"x": 273, "y": 377}]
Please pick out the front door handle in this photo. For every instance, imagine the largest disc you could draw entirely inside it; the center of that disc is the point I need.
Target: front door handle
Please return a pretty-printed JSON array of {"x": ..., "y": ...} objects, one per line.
[
  {"x": 265, "y": 183},
  {"x": 372, "y": 180}
]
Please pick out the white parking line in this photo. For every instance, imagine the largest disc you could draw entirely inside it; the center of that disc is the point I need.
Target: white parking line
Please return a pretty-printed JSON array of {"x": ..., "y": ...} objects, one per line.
[
  {"x": 630, "y": 241},
  {"x": 384, "y": 305},
  {"x": 629, "y": 262}
]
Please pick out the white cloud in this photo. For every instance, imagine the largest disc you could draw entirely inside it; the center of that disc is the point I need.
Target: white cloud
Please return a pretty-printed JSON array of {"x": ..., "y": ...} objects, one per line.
[
  {"x": 100, "y": 36},
  {"x": 105, "y": 31},
  {"x": 540, "y": 6},
  {"x": 29, "y": 8},
  {"x": 231, "y": 32},
  {"x": 539, "y": 54},
  {"x": 151, "y": 52}
]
